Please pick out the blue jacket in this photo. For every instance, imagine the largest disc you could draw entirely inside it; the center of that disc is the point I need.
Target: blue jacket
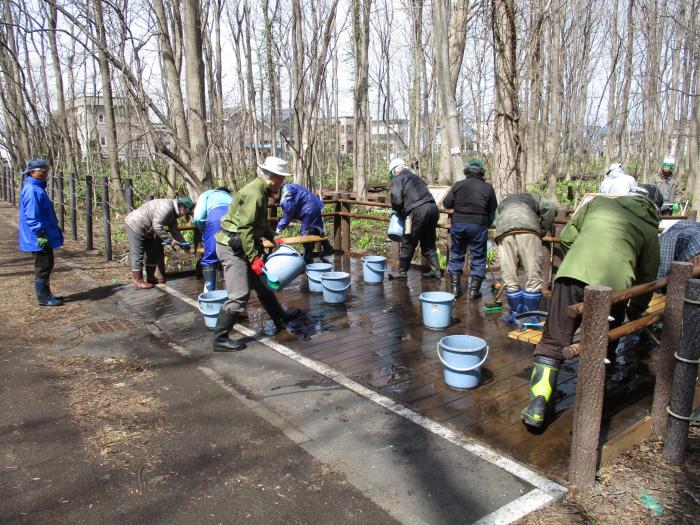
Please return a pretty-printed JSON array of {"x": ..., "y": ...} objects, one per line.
[
  {"x": 37, "y": 216},
  {"x": 206, "y": 202},
  {"x": 299, "y": 203}
]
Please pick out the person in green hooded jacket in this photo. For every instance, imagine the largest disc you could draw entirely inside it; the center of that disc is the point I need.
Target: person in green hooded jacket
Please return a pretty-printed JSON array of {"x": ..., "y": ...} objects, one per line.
[{"x": 608, "y": 242}]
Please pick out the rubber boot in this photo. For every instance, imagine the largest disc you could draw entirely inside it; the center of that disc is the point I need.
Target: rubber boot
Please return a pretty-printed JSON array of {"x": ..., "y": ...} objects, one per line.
[
  {"x": 434, "y": 272},
  {"x": 327, "y": 252},
  {"x": 42, "y": 294},
  {"x": 48, "y": 289},
  {"x": 403, "y": 271},
  {"x": 475, "y": 287},
  {"x": 151, "y": 275},
  {"x": 515, "y": 302},
  {"x": 139, "y": 283},
  {"x": 531, "y": 302},
  {"x": 281, "y": 320},
  {"x": 456, "y": 279},
  {"x": 209, "y": 276},
  {"x": 543, "y": 383},
  {"x": 224, "y": 324}
]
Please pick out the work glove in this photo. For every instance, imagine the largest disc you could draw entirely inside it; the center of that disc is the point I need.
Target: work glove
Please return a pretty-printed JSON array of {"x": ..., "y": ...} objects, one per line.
[
  {"x": 278, "y": 242},
  {"x": 185, "y": 246},
  {"x": 43, "y": 242},
  {"x": 257, "y": 266}
]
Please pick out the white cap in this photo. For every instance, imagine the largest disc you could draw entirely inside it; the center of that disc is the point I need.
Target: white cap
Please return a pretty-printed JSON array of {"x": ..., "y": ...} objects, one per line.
[
  {"x": 275, "y": 166},
  {"x": 396, "y": 163}
]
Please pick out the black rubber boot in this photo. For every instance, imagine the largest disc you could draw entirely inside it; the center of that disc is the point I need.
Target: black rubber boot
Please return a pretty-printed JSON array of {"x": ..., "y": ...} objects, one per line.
[
  {"x": 286, "y": 317},
  {"x": 543, "y": 383},
  {"x": 456, "y": 278},
  {"x": 209, "y": 276},
  {"x": 403, "y": 271},
  {"x": 328, "y": 252},
  {"x": 55, "y": 297},
  {"x": 475, "y": 287},
  {"x": 42, "y": 294},
  {"x": 224, "y": 324},
  {"x": 434, "y": 272}
]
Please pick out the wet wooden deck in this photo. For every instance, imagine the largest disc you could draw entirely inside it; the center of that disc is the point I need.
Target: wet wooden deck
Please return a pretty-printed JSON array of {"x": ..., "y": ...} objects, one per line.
[{"x": 377, "y": 338}]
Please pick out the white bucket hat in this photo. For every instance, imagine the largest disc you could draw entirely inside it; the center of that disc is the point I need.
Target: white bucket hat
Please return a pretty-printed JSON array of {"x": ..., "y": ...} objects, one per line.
[
  {"x": 275, "y": 166},
  {"x": 395, "y": 163}
]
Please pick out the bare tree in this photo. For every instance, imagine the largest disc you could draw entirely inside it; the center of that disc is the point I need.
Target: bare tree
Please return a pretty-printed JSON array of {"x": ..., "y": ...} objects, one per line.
[{"x": 507, "y": 147}]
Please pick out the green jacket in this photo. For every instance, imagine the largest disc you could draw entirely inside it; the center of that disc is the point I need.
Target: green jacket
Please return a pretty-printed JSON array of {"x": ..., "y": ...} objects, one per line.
[
  {"x": 247, "y": 216},
  {"x": 613, "y": 242},
  {"x": 524, "y": 212}
]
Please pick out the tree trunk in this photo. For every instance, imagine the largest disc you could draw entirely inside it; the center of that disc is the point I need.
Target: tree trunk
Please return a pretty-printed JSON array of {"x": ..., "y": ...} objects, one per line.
[
  {"x": 554, "y": 135},
  {"x": 417, "y": 59},
  {"x": 506, "y": 156},
  {"x": 361, "y": 25}
]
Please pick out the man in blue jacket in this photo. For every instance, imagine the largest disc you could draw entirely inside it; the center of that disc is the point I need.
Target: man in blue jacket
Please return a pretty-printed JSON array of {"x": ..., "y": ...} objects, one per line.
[
  {"x": 299, "y": 203},
  {"x": 38, "y": 228}
]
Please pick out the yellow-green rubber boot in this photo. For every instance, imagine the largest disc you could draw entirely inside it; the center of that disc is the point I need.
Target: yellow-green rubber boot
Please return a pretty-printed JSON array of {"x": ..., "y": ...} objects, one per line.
[{"x": 543, "y": 382}]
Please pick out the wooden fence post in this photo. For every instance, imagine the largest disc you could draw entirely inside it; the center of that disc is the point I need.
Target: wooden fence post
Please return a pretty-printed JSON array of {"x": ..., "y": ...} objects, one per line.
[
  {"x": 13, "y": 188},
  {"x": 105, "y": 219},
  {"x": 61, "y": 202},
  {"x": 590, "y": 386},
  {"x": 670, "y": 338},
  {"x": 337, "y": 230},
  {"x": 73, "y": 207},
  {"x": 129, "y": 194},
  {"x": 89, "y": 193},
  {"x": 345, "y": 225},
  {"x": 684, "y": 377}
]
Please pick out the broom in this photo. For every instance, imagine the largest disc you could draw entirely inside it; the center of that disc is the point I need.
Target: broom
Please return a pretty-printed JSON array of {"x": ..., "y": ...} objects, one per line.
[{"x": 495, "y": 306}]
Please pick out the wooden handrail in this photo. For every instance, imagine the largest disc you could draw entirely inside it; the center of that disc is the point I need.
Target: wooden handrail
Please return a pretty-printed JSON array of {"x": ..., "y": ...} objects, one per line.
[{"x": 635, "y": 291}]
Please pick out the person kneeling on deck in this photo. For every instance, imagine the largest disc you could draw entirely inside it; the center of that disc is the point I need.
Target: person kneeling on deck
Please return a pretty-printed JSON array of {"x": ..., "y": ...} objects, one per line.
[
  {"x": 299, "y": 203},
  {"x": 239, "y": 247},
  {"x": 521, "y": 222},
  {"x": 474, "y": 203},
  {"x": 681, "y": 242},
  {"x": 609, "y": 242},
  {"x": 211, "y": 206},
  {"x": 413, "y": 202},
  {"x": 146, "y": 231},
  {"x": 38, "y": 229}
]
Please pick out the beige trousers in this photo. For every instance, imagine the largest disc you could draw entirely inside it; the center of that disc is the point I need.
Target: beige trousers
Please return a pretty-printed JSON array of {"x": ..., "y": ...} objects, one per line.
[{"x": 525, "y": 248}]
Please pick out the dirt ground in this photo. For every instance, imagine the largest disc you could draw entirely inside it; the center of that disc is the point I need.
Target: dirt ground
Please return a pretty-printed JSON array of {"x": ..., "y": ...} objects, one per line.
[{"x": 118, "y": 404}]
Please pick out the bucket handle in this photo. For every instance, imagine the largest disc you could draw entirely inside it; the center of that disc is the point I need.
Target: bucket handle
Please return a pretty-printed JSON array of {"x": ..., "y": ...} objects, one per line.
[
  {"x": 203, "y": 312},
  {"x": 462, "y": 369},
  {"x": 335, "y": 289},
  {"x": 312, "y": 279},
  {"x": 453, "y": 302}
]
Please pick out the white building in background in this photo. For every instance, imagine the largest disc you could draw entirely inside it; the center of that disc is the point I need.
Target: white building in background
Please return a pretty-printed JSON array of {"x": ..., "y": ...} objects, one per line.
[{"x": 87, "y": 121}]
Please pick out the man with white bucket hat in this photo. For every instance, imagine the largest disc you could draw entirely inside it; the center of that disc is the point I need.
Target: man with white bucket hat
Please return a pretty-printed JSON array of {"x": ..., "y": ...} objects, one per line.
[{"x": 239, "y": 247}]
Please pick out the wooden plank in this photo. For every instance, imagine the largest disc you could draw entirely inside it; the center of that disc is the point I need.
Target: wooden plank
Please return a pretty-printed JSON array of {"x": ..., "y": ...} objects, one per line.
[{"x": 625, "y": 440}]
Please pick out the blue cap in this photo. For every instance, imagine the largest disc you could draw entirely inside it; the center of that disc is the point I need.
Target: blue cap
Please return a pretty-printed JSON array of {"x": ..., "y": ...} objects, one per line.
[{"x": 35, "y": 164}]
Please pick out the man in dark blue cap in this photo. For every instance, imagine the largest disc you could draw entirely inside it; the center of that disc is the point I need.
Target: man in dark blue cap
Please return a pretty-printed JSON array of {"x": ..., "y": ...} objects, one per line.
[{"x": 39, "y": 232}]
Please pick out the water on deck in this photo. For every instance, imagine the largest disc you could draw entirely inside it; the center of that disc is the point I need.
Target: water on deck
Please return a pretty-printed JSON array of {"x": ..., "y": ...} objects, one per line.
[{"x": 377, "y": 338}]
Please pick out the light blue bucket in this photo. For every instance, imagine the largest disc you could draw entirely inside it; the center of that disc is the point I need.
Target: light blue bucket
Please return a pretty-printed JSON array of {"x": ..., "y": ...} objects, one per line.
[
  {"x": 335, "y": 287},
  {"x": 286, "y": 264},
  {"x": 313, "y": 274},
  {"x": 437, "y": 309},
  {"x": 373, "y": 267},
  {"x": 209, "y": 304},
  {"x": 395, "y": 231},
  {"x": 462, "y": 357}
]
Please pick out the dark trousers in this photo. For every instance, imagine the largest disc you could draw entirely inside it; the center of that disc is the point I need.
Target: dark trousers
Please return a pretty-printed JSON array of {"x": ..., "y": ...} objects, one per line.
[
  {"x": 43, "y": 263},
  {"x": 140, "y": 244},
  {"x": 473, "y": 237},
  {"x": 424, "y": 221},
  {"x": 559, "y": 328}
]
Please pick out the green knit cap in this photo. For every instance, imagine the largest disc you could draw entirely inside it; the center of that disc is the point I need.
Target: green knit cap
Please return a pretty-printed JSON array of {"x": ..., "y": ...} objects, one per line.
[
  {"x": 476, "y": 162},
  {"x": 186, "y": 203}
]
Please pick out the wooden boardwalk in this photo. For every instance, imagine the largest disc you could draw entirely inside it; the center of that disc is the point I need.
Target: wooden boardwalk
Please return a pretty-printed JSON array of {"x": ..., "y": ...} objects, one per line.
[{"x": 377, "y": 338}]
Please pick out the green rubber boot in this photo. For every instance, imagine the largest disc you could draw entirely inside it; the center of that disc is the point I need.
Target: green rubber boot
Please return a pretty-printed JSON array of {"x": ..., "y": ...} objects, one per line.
[{"x": 543, "y": 382}]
